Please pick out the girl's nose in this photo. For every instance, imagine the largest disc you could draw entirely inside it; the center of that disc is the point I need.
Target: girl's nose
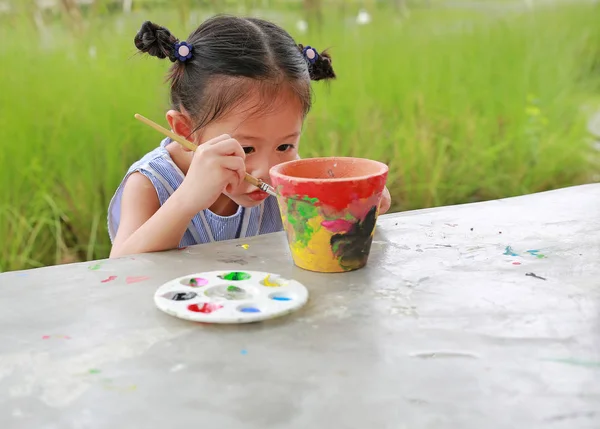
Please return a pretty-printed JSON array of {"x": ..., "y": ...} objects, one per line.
[{"x": 260, "y": 169}]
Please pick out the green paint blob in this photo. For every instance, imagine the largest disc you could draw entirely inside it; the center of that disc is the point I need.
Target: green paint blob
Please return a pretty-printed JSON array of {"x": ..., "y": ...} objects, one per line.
[
  {"x": 95, "y": 371},
  {"x": 310, "y": 200},
  {"x": 576, "y": 362},
  {"x": 236, "y": 276},
  {"x": 234, "y": 289},
  {"x": 299, "y": 212}
]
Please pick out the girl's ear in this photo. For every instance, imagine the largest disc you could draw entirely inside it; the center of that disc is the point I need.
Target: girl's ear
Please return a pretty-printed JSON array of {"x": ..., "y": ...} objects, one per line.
[{"x": 181, "y": 124}]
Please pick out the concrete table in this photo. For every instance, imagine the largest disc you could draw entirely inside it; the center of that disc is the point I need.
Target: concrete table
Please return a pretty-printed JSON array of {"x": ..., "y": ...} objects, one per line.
[{"x": 443, "y": 329}]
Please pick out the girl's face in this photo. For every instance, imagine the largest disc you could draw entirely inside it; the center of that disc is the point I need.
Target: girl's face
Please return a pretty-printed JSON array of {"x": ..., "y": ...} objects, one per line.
[{"x": 269, "y": 137}]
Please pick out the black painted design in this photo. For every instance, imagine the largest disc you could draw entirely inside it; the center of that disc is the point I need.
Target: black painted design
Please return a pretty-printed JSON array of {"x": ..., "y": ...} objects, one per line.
[
  {"x": 352, "y": 248},
  {"x": 181, "y": 296}
]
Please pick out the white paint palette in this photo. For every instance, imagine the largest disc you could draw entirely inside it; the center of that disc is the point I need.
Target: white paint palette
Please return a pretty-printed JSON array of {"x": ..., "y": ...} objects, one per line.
[{"x": 230, "y": 296}]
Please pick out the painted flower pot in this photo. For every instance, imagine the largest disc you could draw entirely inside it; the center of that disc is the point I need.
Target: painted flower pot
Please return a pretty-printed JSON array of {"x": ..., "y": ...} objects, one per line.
[{"x": 329, "y": 207}]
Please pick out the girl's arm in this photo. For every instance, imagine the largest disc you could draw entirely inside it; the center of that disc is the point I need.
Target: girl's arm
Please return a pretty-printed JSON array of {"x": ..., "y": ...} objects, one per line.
[{"x": 145, "y": 226}]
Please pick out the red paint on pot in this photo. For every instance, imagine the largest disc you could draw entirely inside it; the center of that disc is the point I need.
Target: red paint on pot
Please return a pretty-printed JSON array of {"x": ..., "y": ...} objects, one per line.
[{"x": 335, "y": 182}]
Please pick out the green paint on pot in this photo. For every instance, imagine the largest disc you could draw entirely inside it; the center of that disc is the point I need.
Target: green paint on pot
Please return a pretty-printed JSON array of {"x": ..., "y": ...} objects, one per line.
[
  {"x": 299, "y": 212},
  {"x": 310, "y": 200}
]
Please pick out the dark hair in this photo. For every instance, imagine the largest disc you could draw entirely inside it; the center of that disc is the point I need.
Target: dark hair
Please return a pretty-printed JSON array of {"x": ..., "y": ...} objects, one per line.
[{"x": 231, "y": 55}]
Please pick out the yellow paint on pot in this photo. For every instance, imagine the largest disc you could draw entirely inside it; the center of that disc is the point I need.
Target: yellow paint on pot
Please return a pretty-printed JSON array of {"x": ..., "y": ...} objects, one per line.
[{"x": 317, "y": 254}]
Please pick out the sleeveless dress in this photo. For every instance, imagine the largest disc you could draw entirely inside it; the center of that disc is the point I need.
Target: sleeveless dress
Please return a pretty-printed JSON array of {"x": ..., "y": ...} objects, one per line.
[{"x": 205, "y": 226}]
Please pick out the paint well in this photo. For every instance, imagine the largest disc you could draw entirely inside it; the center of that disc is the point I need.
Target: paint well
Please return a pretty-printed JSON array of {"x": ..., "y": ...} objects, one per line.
[
  {"x": 235, "y": 276},
  {"x": 195, "y": 282},
  {"x": 206, "y": 308},
  {"x": 280, "y": 297},
  {"x": 227, "y": 292},
  {"x": 272, "y": 281},
  {"x": 249, "y": 309},
  {"x": 180, "y": 296}
]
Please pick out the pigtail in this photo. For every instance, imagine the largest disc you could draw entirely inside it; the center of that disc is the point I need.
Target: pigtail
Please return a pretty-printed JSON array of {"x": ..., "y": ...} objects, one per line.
[
  {"x": 319, "y": 64},
  {"x": 157, "y": 41}
]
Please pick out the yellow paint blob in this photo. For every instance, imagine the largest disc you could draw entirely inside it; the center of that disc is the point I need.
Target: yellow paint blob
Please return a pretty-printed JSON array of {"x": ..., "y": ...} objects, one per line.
[
  {"x": 267, "y": 282},
  {"x": 245, "y": 246}
]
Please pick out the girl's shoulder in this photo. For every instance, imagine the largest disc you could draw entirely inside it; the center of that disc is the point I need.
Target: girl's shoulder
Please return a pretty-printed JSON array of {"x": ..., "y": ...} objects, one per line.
[{"x": 158, "y": 156}]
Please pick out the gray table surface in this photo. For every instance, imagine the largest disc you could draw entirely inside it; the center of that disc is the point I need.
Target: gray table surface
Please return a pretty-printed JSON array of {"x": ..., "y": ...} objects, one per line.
[{"x": 442, "y": 329}]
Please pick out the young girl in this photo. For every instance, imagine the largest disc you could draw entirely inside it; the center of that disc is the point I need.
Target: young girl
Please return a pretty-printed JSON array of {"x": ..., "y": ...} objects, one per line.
[{"x": 240, "y": 90}]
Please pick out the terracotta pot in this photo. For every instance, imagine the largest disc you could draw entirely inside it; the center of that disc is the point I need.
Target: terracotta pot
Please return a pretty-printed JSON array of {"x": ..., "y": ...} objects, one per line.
[{"x": 329, "y": 207}]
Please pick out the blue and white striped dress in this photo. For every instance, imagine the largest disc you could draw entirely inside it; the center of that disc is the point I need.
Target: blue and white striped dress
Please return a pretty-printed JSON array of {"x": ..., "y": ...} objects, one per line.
[{"x": 206, "y": 226}]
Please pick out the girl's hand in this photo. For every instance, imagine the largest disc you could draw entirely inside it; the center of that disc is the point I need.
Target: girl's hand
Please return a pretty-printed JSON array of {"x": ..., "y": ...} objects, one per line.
[
  {"x": 217, "y": 166},
  {"x": 386, "y": 202}
]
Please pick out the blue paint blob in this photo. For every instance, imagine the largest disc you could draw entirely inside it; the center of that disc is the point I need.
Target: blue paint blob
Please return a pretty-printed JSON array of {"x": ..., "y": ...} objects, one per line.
[
  {"x": 249, "y": 310},
  {"x": 509, "y": 251},
  {"x": 536, "y": 253},
  {"x": 281, "y": 298},
  {"x": 244, "y": 352}
]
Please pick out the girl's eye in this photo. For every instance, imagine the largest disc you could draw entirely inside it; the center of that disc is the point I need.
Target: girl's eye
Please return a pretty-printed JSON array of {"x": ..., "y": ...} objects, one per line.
[
  {"x": 285, "y": 147},
  {"x": 248, "y": 150}
]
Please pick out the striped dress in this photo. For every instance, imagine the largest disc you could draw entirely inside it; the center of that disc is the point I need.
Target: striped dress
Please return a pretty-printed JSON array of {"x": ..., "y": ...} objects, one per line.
[{"x": 206, "y": 226}]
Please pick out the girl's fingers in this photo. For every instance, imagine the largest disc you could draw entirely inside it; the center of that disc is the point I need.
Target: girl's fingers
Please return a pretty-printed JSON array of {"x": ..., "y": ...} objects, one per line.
[
  {"x": 230, "y": 147},
  {"x": 236, "y": 165}
]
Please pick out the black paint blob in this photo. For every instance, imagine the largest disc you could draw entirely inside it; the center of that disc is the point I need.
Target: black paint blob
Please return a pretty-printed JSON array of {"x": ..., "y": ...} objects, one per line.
[{"x": 352, "y": 247}]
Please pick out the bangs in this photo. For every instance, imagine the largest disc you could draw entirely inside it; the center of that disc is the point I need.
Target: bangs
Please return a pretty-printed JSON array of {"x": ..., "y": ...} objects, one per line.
[{"x": 229, "y": 93}]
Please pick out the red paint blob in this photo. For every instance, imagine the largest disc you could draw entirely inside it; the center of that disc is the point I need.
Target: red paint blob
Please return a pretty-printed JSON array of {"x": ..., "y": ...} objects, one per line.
[
  {"x": 516, "y": 263},
  {"x": 205, "y": 308},
  {"x": 138, "y": 279},
  {"x": 338, "y": 225},
  {"x": 110, "y": 279}
]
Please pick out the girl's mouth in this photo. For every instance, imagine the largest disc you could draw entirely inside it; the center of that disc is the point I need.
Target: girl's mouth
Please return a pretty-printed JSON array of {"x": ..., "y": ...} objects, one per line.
[{"x": 258, "y": 195}]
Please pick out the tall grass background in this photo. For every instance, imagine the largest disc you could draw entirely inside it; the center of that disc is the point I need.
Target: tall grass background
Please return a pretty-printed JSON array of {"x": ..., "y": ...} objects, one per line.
[{"x": 464, "y": 105}]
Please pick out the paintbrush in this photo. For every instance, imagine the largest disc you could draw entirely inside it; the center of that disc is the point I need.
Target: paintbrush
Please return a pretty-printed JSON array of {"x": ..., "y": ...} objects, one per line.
[{"x": 265, "y": 187}]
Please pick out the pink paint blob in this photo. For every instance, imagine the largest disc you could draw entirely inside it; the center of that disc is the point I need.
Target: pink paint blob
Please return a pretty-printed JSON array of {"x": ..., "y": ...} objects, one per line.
[
  {"x": 46, "y": 337},
  {"x": 137, "y": 279},
  {"x": 516, "y": 263},
  {"x": 197, "y": 282},
  {"x": 206, "y": 308},
  {"x": 338, "y": 225},
  {"x": 360, "y": 207},
  {"x": 110, "y": 279}
]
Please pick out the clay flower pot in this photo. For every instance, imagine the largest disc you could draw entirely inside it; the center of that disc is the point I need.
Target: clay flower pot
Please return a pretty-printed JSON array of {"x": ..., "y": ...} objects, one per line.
[{"x": 329, "y": 207}]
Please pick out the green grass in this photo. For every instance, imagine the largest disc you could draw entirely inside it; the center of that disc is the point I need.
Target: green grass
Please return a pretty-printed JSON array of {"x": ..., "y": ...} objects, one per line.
[{"x": 463, "y": 106}]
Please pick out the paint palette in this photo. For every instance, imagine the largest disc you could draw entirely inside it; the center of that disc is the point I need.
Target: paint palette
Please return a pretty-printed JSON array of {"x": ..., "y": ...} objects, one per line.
[{"x": 230, "y": 296}]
